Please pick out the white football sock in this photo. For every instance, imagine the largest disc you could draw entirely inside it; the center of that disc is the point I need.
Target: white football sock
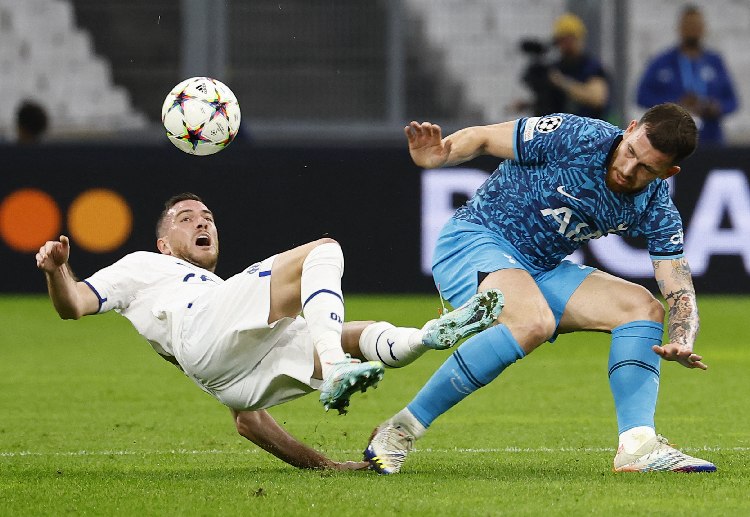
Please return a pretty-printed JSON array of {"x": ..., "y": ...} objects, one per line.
[
  {"x": 323, "y": 303},
  {"x": 393, "y": 346},
  {"x": 632, "y": 439},
  {"x": 406, "y": 419}
]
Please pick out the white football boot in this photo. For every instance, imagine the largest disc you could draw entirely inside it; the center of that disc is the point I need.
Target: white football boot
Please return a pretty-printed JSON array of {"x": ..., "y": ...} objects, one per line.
[
  {"x": 481, "y": 311},
  {"x": 346, "y": 378},
  {"x": 388, "y": 448},
  {"x": 657, "y": 455}
]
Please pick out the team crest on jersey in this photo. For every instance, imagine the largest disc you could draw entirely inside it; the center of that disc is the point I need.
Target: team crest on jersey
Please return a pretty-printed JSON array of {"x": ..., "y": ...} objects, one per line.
[{"x": 548, "y": 124}]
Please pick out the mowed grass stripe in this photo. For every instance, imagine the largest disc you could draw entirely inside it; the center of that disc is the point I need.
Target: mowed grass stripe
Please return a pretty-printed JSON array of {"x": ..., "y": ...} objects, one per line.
[
  {"x": 522, "y": 450},
  {"x": 92, "y": 422}
]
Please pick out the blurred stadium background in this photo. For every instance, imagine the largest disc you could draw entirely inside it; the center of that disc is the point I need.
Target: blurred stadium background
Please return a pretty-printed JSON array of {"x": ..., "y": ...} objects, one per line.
[
  {"x": 338, "y": 69},
  {"x": 325, "y": 88}
]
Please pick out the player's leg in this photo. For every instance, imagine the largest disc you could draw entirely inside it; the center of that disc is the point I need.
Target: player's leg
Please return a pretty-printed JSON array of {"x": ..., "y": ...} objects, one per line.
[
  {"x": 308, "y": 279},
  {"x": 525, "y": 323},
  {"x": 635, "y": 319},
  {"x": 398, "y": 346},
  {"x": 381, "y": 341}
]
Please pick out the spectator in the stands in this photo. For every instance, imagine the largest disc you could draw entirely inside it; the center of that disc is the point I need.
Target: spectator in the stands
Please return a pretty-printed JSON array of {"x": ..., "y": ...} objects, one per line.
[
  {"x": 574, "y": 82},
  {"x": 693, "y": 76},
  {"x": 31, "y": 122}
]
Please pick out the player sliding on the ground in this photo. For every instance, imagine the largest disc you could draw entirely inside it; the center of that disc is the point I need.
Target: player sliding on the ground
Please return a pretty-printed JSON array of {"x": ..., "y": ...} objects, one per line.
[
  {"x": 243, "y": 340},
  {"x": 565, "y": 180}
]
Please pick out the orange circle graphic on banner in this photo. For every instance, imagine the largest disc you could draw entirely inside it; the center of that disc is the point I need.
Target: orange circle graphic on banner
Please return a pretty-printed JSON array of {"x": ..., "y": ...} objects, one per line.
[
  {"x": 99, "y": 220},
  {"x": 28, "y": 218}
]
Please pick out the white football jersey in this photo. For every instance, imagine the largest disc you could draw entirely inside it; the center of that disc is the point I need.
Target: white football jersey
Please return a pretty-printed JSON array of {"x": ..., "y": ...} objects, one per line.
[{"x": 152, "y": 291}]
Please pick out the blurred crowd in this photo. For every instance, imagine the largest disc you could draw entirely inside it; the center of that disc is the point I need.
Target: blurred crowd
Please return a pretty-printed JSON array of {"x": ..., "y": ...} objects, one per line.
[{"x": 574, "y": 81}]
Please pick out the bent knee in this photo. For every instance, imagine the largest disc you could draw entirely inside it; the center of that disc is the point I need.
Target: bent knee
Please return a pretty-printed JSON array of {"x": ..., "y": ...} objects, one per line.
[
  {"x": 325, "y": 240},
  {"x": 532, "y": 329},
  {"x": 642, "y": 305},
  {"x": 325, "y": 251},
  {"x": 543, "y": 327}
]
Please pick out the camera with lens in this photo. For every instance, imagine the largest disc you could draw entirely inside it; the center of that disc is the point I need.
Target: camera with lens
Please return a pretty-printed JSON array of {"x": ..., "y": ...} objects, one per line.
[{"x": 536, "y": 76}]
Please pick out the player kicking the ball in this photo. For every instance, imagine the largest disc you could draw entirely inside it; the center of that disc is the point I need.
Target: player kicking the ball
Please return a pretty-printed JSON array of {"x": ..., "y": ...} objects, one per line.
[
  {"x": 565, "y": 180},
  {"x": 243, "y": 340}
]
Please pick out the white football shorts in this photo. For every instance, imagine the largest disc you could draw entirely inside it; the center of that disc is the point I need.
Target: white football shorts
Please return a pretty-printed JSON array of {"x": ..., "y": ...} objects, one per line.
[{"x": 228, "y": 348}]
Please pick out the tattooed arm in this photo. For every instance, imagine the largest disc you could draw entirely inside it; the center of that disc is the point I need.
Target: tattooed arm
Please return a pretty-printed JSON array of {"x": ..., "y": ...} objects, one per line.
[{"x": 676, "y": 285}]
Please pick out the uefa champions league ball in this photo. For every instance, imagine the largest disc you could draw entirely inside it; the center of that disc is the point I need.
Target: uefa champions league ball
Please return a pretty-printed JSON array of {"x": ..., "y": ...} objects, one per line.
[{"x": 201, "y": 116}]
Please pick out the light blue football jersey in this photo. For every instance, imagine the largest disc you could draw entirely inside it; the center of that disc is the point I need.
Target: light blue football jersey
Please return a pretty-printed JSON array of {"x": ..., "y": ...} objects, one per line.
[{"x": 552, "y": 197}]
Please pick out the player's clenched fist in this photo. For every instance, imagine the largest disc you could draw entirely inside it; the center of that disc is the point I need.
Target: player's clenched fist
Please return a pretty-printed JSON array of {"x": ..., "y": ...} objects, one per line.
[{"x": 53, "y": 254}]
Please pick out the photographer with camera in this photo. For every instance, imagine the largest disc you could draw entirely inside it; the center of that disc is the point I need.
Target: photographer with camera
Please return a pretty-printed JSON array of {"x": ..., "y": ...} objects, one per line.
[{"x": 573, "y": 83}]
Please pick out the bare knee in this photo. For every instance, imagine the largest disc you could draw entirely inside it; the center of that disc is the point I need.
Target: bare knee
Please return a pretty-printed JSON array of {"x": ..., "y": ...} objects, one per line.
[
  {"x": 642, "y": 305},
  {"x": 532, "y": 328},
  {"x": 541, "y": 327},
  {"x": 295, "y": 257},
  {"x": 324, "y": 240}
]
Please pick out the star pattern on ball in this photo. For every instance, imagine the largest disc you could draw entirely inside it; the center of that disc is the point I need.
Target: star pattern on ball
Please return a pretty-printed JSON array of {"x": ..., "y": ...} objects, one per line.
[
  {"x": 179, "y": 101},
  {"x": 201, "y": 116},
  {"x": 219, "y": 107},
  {"x": 193, "y": 135}
]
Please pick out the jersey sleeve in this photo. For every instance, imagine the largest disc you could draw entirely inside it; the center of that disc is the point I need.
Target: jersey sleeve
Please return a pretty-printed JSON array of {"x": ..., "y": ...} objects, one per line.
[
  {"x": 662, "y": 226},
  {"x": 115, "y": 286},
  {"x": 540, "y": 140},
  {"x": 724, "y": 88}
]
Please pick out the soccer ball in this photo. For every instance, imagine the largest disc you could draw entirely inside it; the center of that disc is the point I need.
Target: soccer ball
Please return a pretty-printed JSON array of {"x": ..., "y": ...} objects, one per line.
[{"x": 201, "y": 116}]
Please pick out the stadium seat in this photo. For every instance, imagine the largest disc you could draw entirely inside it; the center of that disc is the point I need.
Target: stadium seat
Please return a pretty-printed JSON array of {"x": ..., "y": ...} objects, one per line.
[{"x": 50, "y": 60}]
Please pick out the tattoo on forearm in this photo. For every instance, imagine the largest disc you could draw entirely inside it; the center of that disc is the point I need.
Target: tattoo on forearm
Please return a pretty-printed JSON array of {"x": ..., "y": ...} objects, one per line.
[
  {"x": 681, "y": 272},
  {"x": 683, "y": 309}
]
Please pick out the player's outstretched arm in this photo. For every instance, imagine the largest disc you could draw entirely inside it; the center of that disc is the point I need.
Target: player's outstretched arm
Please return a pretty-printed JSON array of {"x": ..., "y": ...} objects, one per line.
[
  {"x": 71, "y": 298},
  {"x": 260, "y": 428},
  {"x": 676, "y": 285},
  {"x": 429, "y": 150}
]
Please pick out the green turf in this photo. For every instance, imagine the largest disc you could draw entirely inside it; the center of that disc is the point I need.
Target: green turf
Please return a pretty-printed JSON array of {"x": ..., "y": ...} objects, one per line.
[{"x": 92, "y": 422}]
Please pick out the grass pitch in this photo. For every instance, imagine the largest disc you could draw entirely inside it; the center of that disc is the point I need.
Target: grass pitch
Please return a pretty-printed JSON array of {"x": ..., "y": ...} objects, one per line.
[{"x": 92, "y": 422}]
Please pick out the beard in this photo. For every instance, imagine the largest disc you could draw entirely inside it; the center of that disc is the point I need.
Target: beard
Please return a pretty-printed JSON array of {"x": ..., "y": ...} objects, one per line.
[
  {"x": 691, "y": 43},
  {"x": 201, "y": 259}
]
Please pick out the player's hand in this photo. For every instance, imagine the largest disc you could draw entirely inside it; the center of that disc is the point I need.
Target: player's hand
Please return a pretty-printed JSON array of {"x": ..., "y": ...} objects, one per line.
[
  {"x": 53, "y": 254},
  {"x": 690, "y": 102},
  {"x": 351, "y": 465},
  {"x": 680, "y": 353},
  {"x": 557, "y": 78},
  {"x": 426, "y": 145}
]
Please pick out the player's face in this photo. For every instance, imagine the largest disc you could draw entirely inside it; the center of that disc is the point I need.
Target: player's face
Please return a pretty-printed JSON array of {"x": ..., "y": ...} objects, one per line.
[
  {"x": 190, "y": 234},
  {"x": 636, "y": 163}
]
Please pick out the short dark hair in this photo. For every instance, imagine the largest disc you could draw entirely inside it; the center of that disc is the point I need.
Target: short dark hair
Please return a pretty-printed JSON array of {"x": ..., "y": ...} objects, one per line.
[
  {"x": 31, "y": 118},
  {"x": 169, "y": 203},
  {"x": 671, "y": 129},
  {"x": 690, "y": 9}
]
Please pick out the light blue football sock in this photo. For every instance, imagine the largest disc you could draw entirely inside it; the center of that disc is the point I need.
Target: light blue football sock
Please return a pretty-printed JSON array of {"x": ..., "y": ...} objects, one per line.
[
  {"x": 634, "y": 372},
  {"x": 473, "y": 365}
]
